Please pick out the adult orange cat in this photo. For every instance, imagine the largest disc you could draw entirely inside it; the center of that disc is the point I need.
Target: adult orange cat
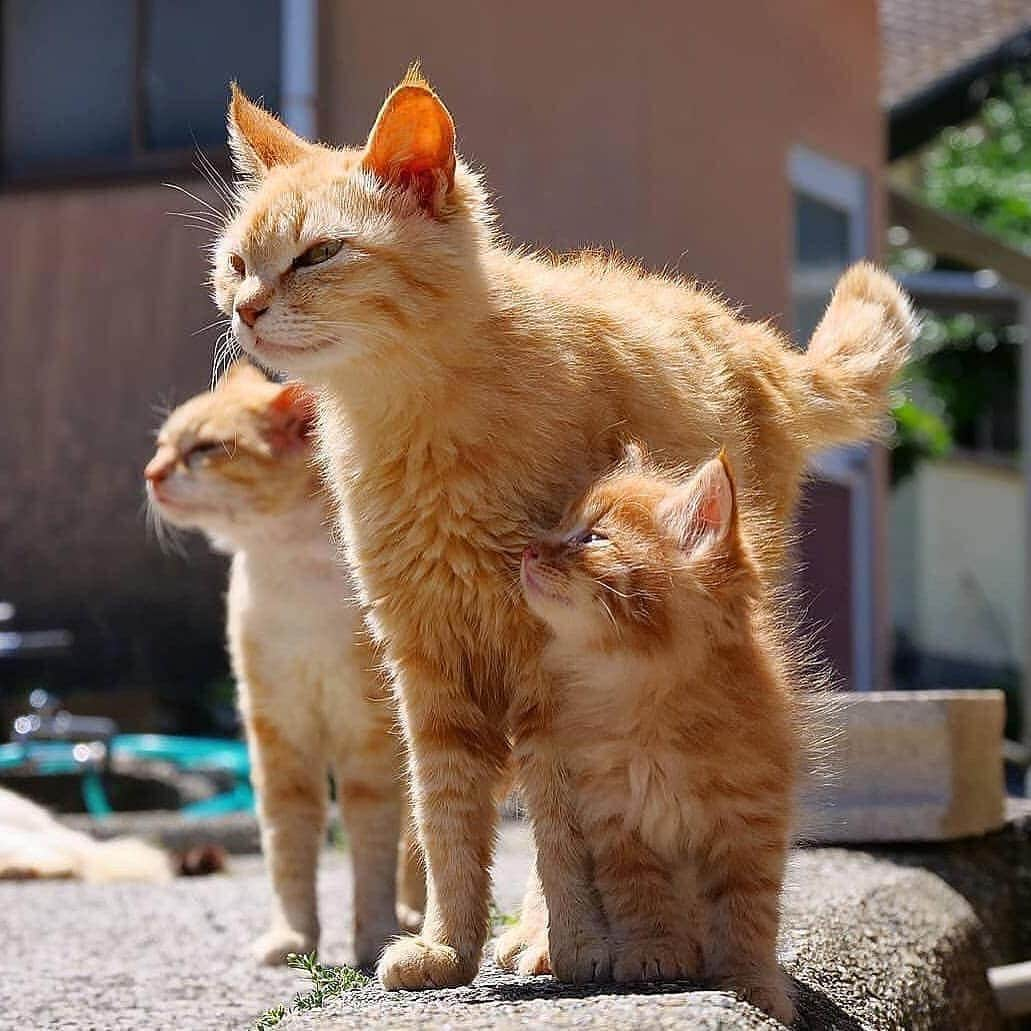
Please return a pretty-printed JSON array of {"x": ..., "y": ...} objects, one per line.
[
  {"x": 467, "y": 392},
  {"x": 236, "y": 463},
  {"x": 678, "y": 710}
]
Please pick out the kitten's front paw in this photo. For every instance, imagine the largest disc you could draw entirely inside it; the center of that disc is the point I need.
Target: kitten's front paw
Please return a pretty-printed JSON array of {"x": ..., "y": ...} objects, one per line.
[
  {"x": 773, "y": 995},
  {"x": 415, "y": 963},
  {"x": 523, "y": 951},
  {"x": 657, "y": 959},
  {"x": 582, "y": 959},
  {"x": 276, "y": 944}
]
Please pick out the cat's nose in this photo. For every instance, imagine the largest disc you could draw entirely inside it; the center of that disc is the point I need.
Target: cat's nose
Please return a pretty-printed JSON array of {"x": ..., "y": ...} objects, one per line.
[
  {"x": 156, "y": 471},
  {"x": 250, "y": 313}
]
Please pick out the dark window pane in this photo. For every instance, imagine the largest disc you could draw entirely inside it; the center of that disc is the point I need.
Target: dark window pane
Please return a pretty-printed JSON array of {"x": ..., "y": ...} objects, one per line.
[
  {"x": 823, "y": 249},
  {"x": 193, "y": 49},
  {"x": 67, "y": 83}
]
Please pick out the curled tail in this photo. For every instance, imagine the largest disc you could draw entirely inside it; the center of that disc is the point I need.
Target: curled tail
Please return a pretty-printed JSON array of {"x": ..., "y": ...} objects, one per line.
[{"x": 841, "y": 382}]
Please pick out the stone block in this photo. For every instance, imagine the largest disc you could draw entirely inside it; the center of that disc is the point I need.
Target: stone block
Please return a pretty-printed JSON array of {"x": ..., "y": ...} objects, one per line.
[{"x": 907, "y": 766}]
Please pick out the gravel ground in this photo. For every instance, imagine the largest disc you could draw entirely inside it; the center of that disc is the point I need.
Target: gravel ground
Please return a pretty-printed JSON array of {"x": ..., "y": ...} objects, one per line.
[{"x": 871, "y": 945}]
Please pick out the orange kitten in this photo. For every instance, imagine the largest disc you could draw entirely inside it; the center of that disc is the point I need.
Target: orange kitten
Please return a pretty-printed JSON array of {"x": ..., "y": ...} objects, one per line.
[
  {"x": 677, "y": 723},
  {"x": 467, "y": 392},
  {"x": 236, "y": 463}
]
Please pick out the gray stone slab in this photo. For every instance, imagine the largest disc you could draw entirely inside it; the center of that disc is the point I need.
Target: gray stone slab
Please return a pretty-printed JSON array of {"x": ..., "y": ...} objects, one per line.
[{"x": 872, "y": 944}]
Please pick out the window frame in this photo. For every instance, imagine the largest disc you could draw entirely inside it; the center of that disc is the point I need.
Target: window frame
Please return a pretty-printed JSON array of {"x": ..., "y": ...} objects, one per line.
[
  {"x": 846, "y": 189},
  {"x": 141, "y": 163}
]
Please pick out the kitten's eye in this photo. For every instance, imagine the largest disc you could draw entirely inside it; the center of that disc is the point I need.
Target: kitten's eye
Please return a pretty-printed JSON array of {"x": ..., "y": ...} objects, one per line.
[
  {"x": 589, "y": 537},
  {"x": 205, "y": 449},
  {"x": 318, "y": 253},
  {"x": 238, "y": 264}
]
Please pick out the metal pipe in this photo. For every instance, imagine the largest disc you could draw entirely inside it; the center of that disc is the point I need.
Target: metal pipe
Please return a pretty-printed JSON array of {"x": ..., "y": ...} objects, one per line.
[
  {"x": 1012, "y": 987},
  {"x": 298, "y": 62}
]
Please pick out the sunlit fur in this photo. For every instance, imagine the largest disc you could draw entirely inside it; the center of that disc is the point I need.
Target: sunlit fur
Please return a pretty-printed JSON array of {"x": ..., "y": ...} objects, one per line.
[
  {"x": 310, "y": 692},
  {"x": 468, "y": 391},
  {"x": 678, "y": 721}
]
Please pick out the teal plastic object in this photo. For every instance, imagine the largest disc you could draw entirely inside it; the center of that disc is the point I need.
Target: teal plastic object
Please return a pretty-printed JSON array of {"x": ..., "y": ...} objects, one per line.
[{"x": 187, "y": 753}]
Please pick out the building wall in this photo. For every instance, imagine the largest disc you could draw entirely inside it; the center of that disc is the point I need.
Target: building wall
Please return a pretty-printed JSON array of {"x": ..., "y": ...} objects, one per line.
[
  {"x": 960, "y": 594},
  {"x": 665, "y": 134}
]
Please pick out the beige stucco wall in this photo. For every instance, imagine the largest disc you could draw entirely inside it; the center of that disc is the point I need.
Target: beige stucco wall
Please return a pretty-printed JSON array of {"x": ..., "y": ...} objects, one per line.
[
  {"x": 661, "y": 128},
  {"x": 958, "y": 561}
]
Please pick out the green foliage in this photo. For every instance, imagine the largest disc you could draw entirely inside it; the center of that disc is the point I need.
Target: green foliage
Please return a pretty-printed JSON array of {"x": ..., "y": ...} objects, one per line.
[
  {"x": 919, "y": 434},
  {"x": 325, "y": 983},
  {"x": 983, "y": 171}
]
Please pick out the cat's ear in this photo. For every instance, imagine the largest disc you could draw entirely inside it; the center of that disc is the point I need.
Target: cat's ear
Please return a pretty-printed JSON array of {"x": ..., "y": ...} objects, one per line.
[
  {"x": 258, "y": 140},
  {"x": 412, "y": 144},
  {"x": 291, "y": 417},
  {"x": 702, "y": 512}
]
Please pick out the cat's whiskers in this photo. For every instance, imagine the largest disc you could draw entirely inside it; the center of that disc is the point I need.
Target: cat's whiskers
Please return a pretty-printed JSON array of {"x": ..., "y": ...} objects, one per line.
[
  {"x": 200, "y": 200},
  {"x": 216, "y": 180}
]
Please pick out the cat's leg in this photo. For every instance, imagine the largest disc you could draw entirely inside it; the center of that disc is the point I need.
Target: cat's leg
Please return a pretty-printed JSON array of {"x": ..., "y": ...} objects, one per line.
[
  {"x": 291, "y": 785},
  {"x": 579, "y": 947},
  {"x": 457, "y": 753},
  {"x": 411, "y": 875},
  {"x": 370, "y": 795},
  {"x": 740, "y": 881},
  {"x": 523, "y": 948},
  {"x": 651, "y": 922}
]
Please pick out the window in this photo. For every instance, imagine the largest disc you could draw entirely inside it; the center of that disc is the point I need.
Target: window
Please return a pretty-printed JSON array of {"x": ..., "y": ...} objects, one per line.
[
  {"x": 109, "y": 86},
  {"x": 831, "y": 217}
]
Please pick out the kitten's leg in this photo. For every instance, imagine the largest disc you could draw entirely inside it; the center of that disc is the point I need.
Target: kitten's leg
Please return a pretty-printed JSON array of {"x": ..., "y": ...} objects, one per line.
[
  {"x": 650, "y": 922},
  {"x": 457, "y": 754},
  {"x": 291, "y": 787},
  {"x": 369, "y": 792},
  {"x": 740, "y": 881},
  {"x": 411, "y": 875},
  {"x": 578, "y": 941}
]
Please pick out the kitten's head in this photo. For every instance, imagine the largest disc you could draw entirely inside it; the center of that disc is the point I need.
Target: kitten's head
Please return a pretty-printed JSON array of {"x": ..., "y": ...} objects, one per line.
[
  {"x": 641, "y": 555},
  {"x": 230, "y": 459},
  {"x": 334, "y": 253}
]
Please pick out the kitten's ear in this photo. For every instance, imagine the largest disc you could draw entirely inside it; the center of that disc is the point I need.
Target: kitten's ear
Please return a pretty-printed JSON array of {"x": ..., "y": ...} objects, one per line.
[
  {"x": 258, "y": 140},
  {"x": 702, "y": 512},
  {"x": 291, "y": 417},
  {"x": 240, "y": 373},
  {"x": 412, "y": 144}
]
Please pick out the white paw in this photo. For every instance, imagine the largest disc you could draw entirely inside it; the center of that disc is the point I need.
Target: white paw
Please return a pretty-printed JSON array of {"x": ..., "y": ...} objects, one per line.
[{"x": 276, "y": 944}]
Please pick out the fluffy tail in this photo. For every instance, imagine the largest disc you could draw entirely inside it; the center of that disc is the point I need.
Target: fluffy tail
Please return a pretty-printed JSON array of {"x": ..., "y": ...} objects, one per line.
[
  {"x": 124, "y": 859},
  {"x": 857, "y": 349}
]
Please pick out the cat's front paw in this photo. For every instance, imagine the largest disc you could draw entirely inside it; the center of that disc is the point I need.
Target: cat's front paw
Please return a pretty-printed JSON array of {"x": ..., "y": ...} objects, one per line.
[
  {"x": 413, "y": 964},
  {"x": 409, "y": 919},
  {"x": 581, "y": 959},
  {"x": 656, "y": 959},
  {"x": 276, "y": 944}
]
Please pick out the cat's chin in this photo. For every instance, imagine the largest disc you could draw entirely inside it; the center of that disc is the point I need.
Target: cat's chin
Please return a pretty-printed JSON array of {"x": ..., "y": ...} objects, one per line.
[{"x": 288, "y": 357}]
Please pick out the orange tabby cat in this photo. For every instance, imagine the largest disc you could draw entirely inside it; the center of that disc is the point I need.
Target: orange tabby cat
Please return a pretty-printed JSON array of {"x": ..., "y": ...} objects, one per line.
[
  {"x": 467, "y": 392},
  {"x": 236, "y": 463},
  {"x": 677, "y": 721}
]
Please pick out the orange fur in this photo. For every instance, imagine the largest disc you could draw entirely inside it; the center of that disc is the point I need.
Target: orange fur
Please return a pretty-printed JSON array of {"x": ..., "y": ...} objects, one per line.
[
  {"x": 236, "y": 463},
  {"x": 467, "y": 392},
  {"x": 681, "y": 747}
]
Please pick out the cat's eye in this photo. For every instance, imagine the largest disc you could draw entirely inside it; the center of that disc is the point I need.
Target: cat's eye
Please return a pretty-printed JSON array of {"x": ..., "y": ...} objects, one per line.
[
  {"x": 318, "y": 253},
  {"x": 239, "y": 266},
  {"x": 589, "y": 537}
]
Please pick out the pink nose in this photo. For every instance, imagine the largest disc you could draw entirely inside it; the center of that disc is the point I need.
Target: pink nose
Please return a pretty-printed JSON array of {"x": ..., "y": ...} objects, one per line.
[
  {"x": 530, "y": 553},
  {"x": 250, "y": 313},
  {"x": 157, "y": 470}
]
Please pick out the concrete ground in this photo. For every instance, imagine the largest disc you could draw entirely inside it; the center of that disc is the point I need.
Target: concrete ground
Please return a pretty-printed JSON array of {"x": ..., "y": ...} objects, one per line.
[{"x": 871, "y": 945}]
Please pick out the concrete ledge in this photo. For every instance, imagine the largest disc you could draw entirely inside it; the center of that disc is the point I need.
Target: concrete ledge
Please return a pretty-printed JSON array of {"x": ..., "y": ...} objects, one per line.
[
  {"x": 910, "y": 766},
  {"x": 871, "y": 945}
]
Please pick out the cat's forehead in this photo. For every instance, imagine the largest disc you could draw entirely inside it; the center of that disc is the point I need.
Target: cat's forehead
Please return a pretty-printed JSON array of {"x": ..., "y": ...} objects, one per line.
[
  {"x": 294, "y": 203},
  {"x": 627, "y": 500},
  {"x": 219, "y": 414}
]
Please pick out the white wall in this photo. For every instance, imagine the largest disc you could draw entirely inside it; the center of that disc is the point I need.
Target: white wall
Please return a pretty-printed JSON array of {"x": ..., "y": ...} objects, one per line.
[{"x": 957, "y": 560}]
